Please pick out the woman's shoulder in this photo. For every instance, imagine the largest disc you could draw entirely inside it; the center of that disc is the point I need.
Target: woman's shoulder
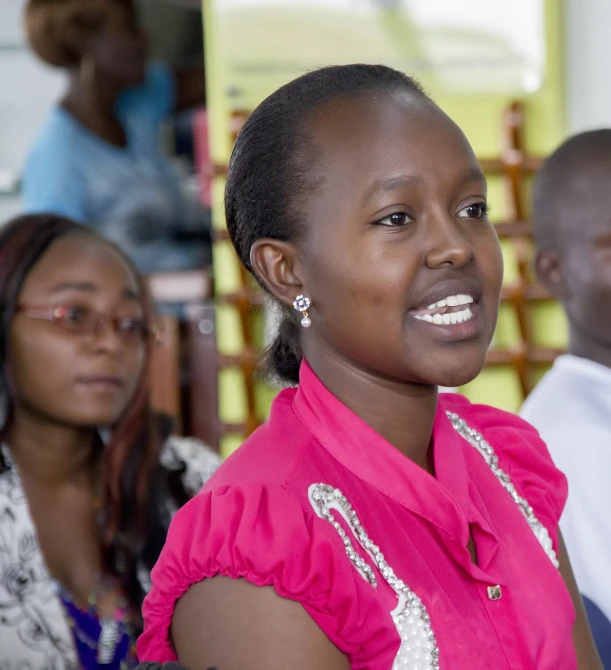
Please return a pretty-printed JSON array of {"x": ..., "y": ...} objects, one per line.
[
  {"x": 247, "y": 530},
  {"x": 491, "y": 420},
  {"x": 58, "y": 136},
  {"x": 279, "y": 452},
  {"x": 522, "y": 455},
  {"x": 262, "y": 533},
  {"x": 253, "y": 507},
  {"x": 56, "y": 143},
  {"x": 196, "y": 461},
  {"x": 54, "y": 175}
]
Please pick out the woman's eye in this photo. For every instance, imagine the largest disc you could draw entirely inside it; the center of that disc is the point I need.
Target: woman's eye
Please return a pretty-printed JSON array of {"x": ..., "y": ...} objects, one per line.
[
  {"x": 478, "y": 210},
  {"x": 395, "y": 220},
  {"x": 76, "y": 314},
  {"x": 134, "y": 326}
]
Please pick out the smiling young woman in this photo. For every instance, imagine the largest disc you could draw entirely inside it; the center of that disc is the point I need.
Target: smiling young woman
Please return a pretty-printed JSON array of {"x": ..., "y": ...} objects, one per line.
[
  {"x": 370, "y": 523},
  {"x": 89, "y": 476}
]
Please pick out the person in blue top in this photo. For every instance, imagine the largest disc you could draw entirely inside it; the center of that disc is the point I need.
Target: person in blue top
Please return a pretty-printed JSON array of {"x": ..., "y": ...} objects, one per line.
[{"x": 98, "y": 157}]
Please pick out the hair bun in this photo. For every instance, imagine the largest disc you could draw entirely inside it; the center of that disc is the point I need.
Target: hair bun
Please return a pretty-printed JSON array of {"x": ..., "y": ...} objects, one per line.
[
  {"x": 57, "y": 30},
  {"x": 284, "y": 355}
]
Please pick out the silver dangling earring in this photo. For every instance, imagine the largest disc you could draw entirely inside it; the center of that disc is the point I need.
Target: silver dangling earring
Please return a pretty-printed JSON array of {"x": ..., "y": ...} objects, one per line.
[{"x": 302, "y": 304}]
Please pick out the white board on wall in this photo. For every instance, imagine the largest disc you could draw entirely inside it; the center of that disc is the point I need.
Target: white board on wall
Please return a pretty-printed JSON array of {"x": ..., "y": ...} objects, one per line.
[
  {"x": 587, "y": 64},
  {"x": 467, "y": 47}
]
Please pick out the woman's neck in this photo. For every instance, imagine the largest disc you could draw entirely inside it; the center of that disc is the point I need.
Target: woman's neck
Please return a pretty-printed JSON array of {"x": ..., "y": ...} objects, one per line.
[
  {"x": 48, "y": 452},
  {"x": 402, "y": 413},
  {"x": 93, "y": 104}
]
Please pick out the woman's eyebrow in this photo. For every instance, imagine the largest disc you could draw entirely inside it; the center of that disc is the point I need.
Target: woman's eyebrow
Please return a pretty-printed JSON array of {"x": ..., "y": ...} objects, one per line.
[
  {"x": 89, "y": 287},
  {"x": 387, "y": 184},
  {"x": 474, "y": 176}
]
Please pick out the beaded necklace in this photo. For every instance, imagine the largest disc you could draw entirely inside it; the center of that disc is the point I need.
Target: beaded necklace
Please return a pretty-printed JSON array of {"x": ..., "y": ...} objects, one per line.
[{"x": 100, "y": 641}]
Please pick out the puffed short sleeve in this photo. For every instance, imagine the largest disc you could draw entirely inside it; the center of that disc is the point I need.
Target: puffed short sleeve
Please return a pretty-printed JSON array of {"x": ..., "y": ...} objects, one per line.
[{"x": 264, "y": 535}]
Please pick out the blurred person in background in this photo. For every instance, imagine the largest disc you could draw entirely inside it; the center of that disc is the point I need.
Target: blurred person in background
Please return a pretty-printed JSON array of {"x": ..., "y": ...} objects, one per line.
[
  {"x": 90, "y": 476},
  {"x": 571, "y": 406},
  {"x": 98, "y": 158}
]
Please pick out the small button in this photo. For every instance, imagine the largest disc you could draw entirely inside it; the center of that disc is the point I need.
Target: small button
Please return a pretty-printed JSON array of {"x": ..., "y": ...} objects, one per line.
[{"x": 494, "y": 592}]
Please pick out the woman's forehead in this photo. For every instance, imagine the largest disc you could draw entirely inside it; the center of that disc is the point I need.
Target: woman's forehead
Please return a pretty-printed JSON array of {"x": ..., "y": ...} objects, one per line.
[
  {"x": 363, "y": 139},
  {"x": 387, "y": 122},
  {"x": 81, "y": 259}
]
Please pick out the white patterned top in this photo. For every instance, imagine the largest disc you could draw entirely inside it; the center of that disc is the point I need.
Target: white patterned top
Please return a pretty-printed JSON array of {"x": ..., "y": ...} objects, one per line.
[{"x": 34, "y": 634}]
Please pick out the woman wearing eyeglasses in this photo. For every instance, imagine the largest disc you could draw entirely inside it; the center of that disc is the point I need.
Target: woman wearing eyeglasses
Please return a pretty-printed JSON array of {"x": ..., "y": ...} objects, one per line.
[{"x": 89, "y": 476}]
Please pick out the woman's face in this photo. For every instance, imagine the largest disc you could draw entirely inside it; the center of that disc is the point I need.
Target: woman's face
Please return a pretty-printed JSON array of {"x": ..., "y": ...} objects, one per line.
[
  {"x": 119, "y": 50},
  {"x": 85, "y": 380},
  {"x": 398, "y": 225}
]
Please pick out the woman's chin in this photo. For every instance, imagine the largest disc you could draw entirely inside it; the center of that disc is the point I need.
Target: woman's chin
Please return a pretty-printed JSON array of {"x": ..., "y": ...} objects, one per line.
[
  {"x": 93, "y": 420},
  {"x": 456, "y": 373}
]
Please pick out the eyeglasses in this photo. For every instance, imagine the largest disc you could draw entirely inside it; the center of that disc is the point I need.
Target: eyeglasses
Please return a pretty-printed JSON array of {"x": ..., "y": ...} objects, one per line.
[{"x": 84, "y": 321}]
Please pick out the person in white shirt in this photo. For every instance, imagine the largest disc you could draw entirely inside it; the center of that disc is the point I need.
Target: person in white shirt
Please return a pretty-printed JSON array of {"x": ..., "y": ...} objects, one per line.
[{"x": 571, "y": 406}]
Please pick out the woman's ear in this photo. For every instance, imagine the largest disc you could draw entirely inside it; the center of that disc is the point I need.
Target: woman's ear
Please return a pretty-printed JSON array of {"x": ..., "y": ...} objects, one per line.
[
  {"x": 274, "y": 263},
  {"x": 549, "y": 272}
]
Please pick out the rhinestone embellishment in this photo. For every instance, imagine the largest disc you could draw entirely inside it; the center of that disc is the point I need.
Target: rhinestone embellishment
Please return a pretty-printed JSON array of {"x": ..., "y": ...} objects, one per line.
[
  {"x": 476, "y": 440},
  {"x": 418, "y": 650},
  {"x": 301, "y": 303}
]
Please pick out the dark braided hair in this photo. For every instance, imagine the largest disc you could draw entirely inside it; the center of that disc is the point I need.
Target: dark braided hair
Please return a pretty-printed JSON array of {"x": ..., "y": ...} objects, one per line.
[{"x": 272, "y": 172}]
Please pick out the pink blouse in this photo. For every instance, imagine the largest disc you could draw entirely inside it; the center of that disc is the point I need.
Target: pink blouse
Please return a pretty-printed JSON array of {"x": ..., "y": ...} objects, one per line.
[{"x": 320, "y": 506}]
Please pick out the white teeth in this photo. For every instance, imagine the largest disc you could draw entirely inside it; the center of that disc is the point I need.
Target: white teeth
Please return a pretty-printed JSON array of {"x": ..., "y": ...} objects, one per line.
[
  {"x": 446, "y": 319},
  {"x": 452, "y": 301}
]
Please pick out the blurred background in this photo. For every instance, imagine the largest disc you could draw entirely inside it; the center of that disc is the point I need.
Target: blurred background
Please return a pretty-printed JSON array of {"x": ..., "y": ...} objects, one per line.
[{"x": 518, "y": 77}]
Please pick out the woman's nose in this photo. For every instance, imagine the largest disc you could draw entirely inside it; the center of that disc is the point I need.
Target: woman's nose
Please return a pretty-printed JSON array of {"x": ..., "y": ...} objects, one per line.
[{"x": 447, "y": 244}]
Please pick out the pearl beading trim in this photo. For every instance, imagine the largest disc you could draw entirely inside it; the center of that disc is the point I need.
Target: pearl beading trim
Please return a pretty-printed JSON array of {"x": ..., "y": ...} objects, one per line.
[
  {"x": 476, "y": 440},
  {"x": 418, "y": 649}
]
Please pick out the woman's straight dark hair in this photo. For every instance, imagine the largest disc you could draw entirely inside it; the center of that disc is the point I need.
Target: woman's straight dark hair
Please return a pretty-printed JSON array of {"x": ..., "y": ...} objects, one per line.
[{"x": 272, "y": 171}]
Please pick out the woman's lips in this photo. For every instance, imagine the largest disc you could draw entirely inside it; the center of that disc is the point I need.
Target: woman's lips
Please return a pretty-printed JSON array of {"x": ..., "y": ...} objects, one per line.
[{"x": 102, "y": 382}]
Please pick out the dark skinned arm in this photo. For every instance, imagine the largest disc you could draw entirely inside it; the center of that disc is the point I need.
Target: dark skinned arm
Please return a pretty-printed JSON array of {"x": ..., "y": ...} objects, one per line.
[
  {"x": 231, "y": 624},
  {"x": 587, "y": 656}
]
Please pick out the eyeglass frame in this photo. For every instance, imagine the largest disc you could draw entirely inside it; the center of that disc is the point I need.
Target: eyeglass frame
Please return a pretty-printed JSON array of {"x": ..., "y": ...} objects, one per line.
[{"x": 54, "y": 314}]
